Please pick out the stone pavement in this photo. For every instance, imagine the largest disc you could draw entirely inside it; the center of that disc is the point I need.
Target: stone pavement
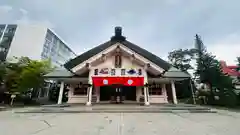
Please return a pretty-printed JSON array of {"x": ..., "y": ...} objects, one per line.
[{"x": 221, "y": 123}]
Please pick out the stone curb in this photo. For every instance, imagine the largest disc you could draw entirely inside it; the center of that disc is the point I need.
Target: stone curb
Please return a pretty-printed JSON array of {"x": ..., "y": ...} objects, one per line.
[{"x": 117, "y": 111}]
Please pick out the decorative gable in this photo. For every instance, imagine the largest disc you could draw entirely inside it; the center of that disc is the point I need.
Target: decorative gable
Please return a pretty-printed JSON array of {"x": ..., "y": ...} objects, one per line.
[{"x": 120, "y": 41}]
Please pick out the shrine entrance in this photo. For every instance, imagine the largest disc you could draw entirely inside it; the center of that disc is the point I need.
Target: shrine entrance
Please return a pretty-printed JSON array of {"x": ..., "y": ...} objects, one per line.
[{"x": 117, "y": 93}]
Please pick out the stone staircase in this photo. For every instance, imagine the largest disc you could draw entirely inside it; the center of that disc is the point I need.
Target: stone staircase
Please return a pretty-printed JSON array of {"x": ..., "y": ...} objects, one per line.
[{"x": 168, "y": 108}]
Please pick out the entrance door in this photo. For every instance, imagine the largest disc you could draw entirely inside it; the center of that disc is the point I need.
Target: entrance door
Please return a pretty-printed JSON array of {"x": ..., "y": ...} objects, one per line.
[
  {"x": 129, "y": 92},
  {"x": 111, "y": 93},
  {"x": 105, "y": 93}
]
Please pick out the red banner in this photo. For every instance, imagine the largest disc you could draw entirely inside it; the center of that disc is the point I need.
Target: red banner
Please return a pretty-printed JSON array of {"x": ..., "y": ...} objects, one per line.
[{"x": 127, "y": 81}]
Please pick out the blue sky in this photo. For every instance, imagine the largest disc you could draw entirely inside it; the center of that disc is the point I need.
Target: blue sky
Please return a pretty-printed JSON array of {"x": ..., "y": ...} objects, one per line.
[{"x": 159, "y": 26}]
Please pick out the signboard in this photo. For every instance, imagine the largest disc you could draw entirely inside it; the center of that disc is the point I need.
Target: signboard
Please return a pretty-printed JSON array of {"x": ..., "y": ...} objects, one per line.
[{"x": 118, "y": 72}]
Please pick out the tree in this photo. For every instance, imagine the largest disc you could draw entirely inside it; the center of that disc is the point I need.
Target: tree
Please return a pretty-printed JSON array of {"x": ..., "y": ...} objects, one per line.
[
  {"x": 25, "y": 74},
  {"x": 2, "y": 71},
  {"x": 181, "y": 58},
  {"x": 209, "y": 72}
]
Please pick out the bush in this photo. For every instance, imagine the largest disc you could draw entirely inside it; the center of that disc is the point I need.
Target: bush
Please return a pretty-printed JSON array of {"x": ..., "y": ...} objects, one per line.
[{"x": 227, "y": 98}]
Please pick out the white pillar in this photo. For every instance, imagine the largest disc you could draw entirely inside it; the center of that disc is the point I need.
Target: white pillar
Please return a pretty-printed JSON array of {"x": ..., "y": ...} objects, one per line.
[
  {"x": 174, "y": 92},
  {"x": 164, "y": 92},
  {"x": 89, "y": 102},
  {"x": 98, "y": 94},
  {"x": 60, "y": 96},
  {"x": 146, "y": 96}
]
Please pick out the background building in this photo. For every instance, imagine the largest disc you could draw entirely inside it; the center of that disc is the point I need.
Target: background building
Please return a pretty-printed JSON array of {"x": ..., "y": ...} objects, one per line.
[{"x": 34, "y": 41}]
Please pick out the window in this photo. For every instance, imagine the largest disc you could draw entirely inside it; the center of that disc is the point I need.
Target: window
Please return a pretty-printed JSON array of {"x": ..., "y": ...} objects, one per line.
[
  {"x": 49, "y": 36},
  {"x": 2, "y": 49},
  {"x": 95, "y": 71},
  {"x": 155, "y": 89},
  {"x": 123, "y": 71},
  {"x": 10, "y": 30},
  {"x": 113, "y": 71},
  {"x": 81, "y": 89},
  {"x": 1, "y": 29},
  {"x": 139, "y": 71},
  {"x": 55, "y": 41}
]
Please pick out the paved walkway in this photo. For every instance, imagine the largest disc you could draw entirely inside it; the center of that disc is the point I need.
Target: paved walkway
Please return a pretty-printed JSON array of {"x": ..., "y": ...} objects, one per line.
[{"x": 221, "y": 123}]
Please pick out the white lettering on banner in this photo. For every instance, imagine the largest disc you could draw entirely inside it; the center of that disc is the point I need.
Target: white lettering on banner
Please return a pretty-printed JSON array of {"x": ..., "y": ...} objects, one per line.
[
  {"x": 104, "y": 71},
  {"x": 118, "y": 72}
]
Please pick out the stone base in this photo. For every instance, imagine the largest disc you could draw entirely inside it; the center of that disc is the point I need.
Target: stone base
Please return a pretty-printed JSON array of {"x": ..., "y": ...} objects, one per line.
[
  {"x": 88, "y": 104},
  {"x": 147, "y": 103}
]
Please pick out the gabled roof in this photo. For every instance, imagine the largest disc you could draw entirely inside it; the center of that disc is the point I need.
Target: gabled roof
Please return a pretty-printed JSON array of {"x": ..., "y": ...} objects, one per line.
[
  {"x": 58, "y": 73},
  {"x": 118, "y": 38},
  {"x": 229, "y": 70},
  {"x": 176, "y": 73},
  {"x": 64, "y": 73}
]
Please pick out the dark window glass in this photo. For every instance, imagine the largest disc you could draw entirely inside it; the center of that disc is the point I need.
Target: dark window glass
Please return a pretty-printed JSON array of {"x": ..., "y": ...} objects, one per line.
[
  {"x": 123, "y": 71},
  {"x": 96, "y": 72},
  {"x": 80, "y": 90},
  {"x": 155, "y": 89},
  {"x": 139, "y": 71},
  {"x": 113, "y": 71}
]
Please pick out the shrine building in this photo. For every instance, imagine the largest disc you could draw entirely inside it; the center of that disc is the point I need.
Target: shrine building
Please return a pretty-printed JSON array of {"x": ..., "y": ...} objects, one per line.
[{"x": 118, "y": 71}]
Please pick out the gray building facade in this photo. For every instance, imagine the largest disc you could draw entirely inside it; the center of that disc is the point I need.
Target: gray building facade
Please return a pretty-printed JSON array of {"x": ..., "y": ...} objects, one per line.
[{"x": 34, "y": 41}]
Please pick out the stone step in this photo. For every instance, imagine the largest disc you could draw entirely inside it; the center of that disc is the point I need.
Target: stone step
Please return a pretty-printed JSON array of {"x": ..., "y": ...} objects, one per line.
[
  {"x": 117, "y": 111},
  {"x": 157, "y": 108}
]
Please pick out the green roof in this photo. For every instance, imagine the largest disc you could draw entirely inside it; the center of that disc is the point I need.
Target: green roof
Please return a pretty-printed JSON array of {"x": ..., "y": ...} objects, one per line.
[
  {"x": 176, "y": 73},
  {"x": 59, "y": 73}
]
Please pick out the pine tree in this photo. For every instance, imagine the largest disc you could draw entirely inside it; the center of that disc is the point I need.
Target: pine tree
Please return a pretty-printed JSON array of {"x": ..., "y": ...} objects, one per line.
[{"x": 209, "y": 72}]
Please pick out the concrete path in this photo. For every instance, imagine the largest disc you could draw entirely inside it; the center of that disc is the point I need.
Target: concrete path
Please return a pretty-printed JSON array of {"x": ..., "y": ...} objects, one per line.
[{"x": 221, "y": 123}]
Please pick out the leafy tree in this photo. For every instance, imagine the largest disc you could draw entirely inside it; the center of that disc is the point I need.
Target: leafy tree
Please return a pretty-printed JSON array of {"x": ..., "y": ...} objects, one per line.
[
  {"x": 181, "y": 58},
  {"x": 25, "y": 74},
  {"x": 2, "y": 71}
]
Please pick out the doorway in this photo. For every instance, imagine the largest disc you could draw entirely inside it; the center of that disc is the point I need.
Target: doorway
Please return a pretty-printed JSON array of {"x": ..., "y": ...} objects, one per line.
[
  {"x": 124, "y": 92},
  {"x": 105, "y": 93},
  {"x": 129, "y": 92}
]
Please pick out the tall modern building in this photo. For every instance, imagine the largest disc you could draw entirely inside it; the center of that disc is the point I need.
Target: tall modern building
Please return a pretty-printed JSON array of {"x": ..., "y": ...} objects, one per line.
[{"x": 34, "y": 41}]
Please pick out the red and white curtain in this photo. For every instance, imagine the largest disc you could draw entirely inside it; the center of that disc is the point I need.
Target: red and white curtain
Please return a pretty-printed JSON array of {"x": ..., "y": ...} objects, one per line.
[{"x": 126, "y": 81}]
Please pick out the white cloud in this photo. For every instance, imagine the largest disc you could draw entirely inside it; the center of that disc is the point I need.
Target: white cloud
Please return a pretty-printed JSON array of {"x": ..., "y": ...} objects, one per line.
[
  {"x": 27, "y": 20},
  {"x": 23, "y": 11},
  {"x": 5, "y": 9},
  {"x": 226, "y": 52},
  {"x": 227, "y": 49}
]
